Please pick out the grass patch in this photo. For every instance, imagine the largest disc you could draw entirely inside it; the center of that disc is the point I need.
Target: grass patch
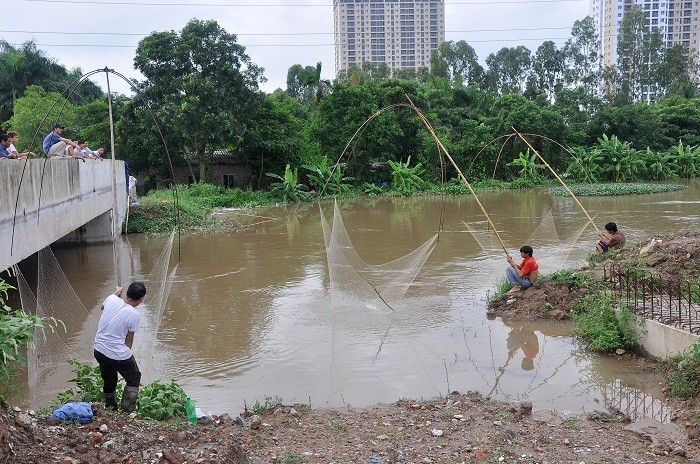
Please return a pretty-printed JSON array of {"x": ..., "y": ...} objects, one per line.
[
  {"x": 684, "y": 377},
  {"x": 567, "y": 276},
  {"x": 599, "y": 328},
  {"x": 269, "y": 403},
  {"x": 615, "y": 189}
]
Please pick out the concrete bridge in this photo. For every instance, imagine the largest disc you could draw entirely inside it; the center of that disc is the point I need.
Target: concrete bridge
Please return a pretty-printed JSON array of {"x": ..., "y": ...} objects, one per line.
[{"x": 60, "y": 199}]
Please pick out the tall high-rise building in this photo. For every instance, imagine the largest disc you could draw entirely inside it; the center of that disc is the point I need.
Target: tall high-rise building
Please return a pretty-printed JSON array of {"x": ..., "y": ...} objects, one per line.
[
  {"x": 400, "y": 33},
  {"x": 677, "y": 20}
]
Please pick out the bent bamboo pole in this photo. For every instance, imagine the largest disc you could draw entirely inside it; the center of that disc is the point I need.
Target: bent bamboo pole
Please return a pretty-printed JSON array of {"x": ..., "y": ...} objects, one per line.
[
  {"x": 566, "y": 187},
  {"x": 459, "y": 172}
]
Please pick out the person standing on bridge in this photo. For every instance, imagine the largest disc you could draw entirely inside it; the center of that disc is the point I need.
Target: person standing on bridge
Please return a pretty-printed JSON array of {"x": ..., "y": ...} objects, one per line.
[
  {"x": 113, "y": 342},
  {"x": 54, "y": 144}
]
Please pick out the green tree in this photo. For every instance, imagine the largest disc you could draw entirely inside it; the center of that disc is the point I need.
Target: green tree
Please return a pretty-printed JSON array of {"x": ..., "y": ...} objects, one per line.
[
  {"x": 389, "y": 136},
  {"x": 680, "y": 119},
  {"x": 508, "y": 70},
  {"x": 548, "y": 68},
  {"x": 639, "y": 124},
  {"x": 21, "y": 67},
  {"x": 687, "y": 160},
  {"x": 36, "y": 111},
  {"x": 583, "y": 59},
  {"x": 639, "y": 53},
  {"x": 458, "y": 62},
  {"x": 621, "y": 162},
  {"x": 305, "y": 83},
  {"x": 203, "y": 83},
  {"x": 530, "y": 117},
  {"x": 276, "y": 136},
  {"x": 677, "y": 72}
]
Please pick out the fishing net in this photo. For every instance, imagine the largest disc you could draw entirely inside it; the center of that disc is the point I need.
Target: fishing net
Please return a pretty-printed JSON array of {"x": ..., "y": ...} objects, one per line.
[
  {"x": 158, "y": 284},
  {"x": 55, "y": 298},
  {"x": 367, "y": 301},
  {"x": 375, "y": 286},
  {"x": 552, "y": 252},
  {"x": 73, "y": 338}
]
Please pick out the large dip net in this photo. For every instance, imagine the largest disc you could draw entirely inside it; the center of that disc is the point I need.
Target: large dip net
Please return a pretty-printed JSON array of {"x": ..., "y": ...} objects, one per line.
[
  {"x": 56, "y": 298},
  {"x": 367, "y": 302}
]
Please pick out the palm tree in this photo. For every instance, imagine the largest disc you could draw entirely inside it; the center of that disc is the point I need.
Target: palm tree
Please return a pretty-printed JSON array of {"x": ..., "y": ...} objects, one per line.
[{"x": 20, "y": 67}]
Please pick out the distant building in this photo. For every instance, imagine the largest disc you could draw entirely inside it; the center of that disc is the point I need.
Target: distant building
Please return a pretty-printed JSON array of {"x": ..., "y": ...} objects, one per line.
[
  {"x": 227, "y": 169},
  {"x": 677, "y": 21},
  {"x": 401, "y": 34}
]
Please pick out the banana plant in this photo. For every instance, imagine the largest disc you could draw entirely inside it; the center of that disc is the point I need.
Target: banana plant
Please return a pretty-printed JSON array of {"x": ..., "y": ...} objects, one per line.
[
  {"x": 529, "y": 166},
  {"x": 586, "y": 165},
  {"x": 687, "y": 160},
  {"x": 328, "y": 178},
  {"x": 288, "y": 189},
  {"x": 406, "y": 179}
]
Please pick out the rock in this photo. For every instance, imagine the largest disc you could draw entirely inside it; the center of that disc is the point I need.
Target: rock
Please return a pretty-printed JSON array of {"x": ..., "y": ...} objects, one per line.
[
  {"x": 600, "y": 416},
  {"x": 678, "y": 452},
  {"x": 104, "y": 428},
  {"x": 23, "y": 420},
  {"x": 620, "y": 351},
  {"x": 96, "y": 437},
  {"x": 255, "y": 422},
  {"x": 242, "y": 422},
  {"x": 17, "y": 409},
  {"x": 294, "y": 412},
  {"x": 171, "y": 457},
  {"x": 525, "y": 408},
  {"x": 437, "y": 432}
]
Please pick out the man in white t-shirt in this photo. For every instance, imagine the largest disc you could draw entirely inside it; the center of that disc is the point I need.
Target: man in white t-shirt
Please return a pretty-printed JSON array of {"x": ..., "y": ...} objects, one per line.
[{"x": 113, "y": 342}]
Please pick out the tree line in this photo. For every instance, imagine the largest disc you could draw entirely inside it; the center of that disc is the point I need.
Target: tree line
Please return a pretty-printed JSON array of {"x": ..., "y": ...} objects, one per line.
[{"x": 203, "y": 90}]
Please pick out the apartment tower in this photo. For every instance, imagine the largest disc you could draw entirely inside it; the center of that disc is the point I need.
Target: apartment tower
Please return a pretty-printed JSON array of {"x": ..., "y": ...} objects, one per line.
[
  {"x": 401, "y": 34},
  {"x": 678, "y": 22}
]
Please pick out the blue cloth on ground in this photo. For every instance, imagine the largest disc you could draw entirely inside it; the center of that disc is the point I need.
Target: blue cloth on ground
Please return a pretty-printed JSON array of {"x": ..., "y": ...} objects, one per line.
[{"x": 72, "y": 412}]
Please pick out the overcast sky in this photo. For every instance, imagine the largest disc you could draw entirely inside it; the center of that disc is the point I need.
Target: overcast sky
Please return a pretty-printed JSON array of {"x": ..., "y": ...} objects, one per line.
[{"x": 277, "y": 34}]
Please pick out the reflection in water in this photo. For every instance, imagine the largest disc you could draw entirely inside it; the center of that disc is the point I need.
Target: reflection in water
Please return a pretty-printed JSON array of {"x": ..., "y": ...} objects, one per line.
[
  {"x": 525, "y": 339},
  {"x": 250, "y": 315},
  {"x": 635, "y": 403}
]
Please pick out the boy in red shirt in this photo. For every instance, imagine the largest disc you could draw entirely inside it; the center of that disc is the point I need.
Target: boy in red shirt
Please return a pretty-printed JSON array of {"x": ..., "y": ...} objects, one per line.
[{"x": 522, "y": 275}]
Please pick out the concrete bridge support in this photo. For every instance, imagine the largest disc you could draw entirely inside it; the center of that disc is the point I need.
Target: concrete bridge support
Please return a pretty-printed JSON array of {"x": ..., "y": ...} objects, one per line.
[{"x": 57, "y": 199}]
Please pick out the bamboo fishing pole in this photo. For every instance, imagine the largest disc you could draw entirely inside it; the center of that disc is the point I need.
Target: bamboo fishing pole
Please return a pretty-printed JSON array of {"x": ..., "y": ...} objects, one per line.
[
  {"x": 566, "y": 187},
  {"x": 459, "y": 172}
]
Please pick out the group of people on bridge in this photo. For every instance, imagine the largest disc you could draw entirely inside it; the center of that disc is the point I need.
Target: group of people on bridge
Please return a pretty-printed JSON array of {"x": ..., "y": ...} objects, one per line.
[{"x": 54, "y": 146}]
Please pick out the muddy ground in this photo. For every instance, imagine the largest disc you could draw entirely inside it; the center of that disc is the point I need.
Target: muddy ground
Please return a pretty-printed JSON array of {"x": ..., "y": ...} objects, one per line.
[{"x": 462, "y": 428}]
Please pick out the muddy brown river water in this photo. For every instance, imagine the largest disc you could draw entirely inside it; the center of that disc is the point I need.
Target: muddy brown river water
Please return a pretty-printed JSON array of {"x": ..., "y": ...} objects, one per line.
[{"x": 250, "y": 316}]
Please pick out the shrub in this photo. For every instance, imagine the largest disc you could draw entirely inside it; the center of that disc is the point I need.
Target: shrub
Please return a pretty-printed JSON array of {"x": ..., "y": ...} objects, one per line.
[
  {"x": 597, "y": 325},
  {"x": 88, "y": 383},
  {"x": 17, "y": 329},
  {"x": 684, "y": 377},
  {"x": 161, "y": 401},
  {"x": 157, "y": 400}
]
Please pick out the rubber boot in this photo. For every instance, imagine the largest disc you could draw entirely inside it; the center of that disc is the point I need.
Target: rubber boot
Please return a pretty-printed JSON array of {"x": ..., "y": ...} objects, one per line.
[
  {"x": 111, "y": 400},
  {"x": 129, "y": 398}
]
